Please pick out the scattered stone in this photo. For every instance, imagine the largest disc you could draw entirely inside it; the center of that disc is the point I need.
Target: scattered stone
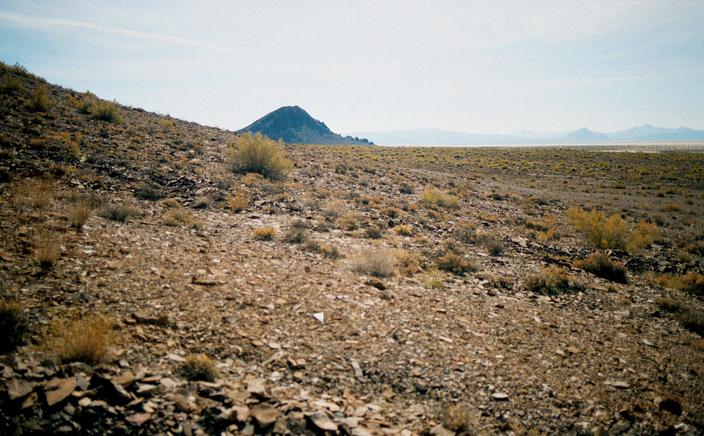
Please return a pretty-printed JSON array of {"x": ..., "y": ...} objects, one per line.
[
  {"x": 322, "y": 421},
  {"x": 138, "y": 419},
  {"x": 499, "y": 396},
  {"x": 265, "y": 415},
  {"x": 439, "y": 430},
  {"x": 58, "y": 390},
  {"x": 18, "y": 388}
]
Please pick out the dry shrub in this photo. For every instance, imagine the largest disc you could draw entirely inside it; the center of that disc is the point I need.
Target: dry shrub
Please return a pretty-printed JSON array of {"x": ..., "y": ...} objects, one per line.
[
  {"x": 350, "y": 221},
  {"x": 39, "y": 102},
  {"x": 48, "y": 253},
  {"x": 552, "y": 281},
  {"x": 297, "y": 235},
  {"x": 333, "y": 209},
  {"x": 381, "y": 263},
  {"x": 198, "y": 367},
  {"x": 13, "y": 325},
  {"x": 252, "y": 179},
  {"x": 690, "y": 318},
  {"x": 11, "y": 85},
  {"x": 493, "y": 245},
  {"x": 330, "y": 251},
  {"x": 259, "y": 154},
  {"x": 612, "y": 232},
  {"x": 602, "y": 266},
  {"x": 458, "y": 418},
  {"x": 434, "y": 197},
  {"x": 691, "y": 283},
  {"x": 373, "y": 232},
  {"x": 117, "y": 213},
  {"x": 179, "y": 216},
  {"x": 672, "y": 207},
  {"x": 404, "y": 230},
  {"x": 72, "y": 142},
  {"x": 147, "y": 191},
  {"x": 264, "y": 233},
  {"x": 84, "y": 340},
  {"x": 78, "y": 215},
  {"x": 408, "y": 263},
  {"x": 34, "y": 193},
  {"x": 466, "y": 232},
  {"x": 104, "y": 111},
  {"x": 456, "y": 264},
  {"x": 238, "y": 202}
]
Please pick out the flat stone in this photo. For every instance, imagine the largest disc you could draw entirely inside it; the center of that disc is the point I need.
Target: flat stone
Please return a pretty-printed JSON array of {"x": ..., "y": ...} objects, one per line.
[
  {"x": 138, "y": 419},
  {"x": 58, "y": 390},
  {"x": 499, "y": 396},
  {"x": 439, "y": 430},
  {"x": 323, "y": 422},
  {"x": 18, "y": 388},
  {"x": 256, "y": 386},
  {"x": 265, "y": 415}
]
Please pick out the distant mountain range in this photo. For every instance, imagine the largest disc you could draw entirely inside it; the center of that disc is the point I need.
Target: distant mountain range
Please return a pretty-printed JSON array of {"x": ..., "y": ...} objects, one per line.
[
  {"x": 293, "y": 125},
  {"x": 646, "y": 133}
]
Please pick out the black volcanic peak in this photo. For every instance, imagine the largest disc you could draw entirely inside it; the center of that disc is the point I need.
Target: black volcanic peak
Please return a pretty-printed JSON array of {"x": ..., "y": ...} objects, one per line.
[{"x": 294, "y": 125}]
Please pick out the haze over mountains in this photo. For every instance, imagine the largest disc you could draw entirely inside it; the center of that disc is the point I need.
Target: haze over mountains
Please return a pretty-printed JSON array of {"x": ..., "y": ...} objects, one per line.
[
  {"x": 294, "y": 125},
  {"x": 422, "y": 136}
]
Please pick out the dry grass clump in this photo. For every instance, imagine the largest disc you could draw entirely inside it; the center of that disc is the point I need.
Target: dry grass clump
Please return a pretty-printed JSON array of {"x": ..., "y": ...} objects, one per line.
[
  {"x": 690, "y": 318},
  {"x": 11, "y": 85},
  {"x": 408, "y": 263},
  {"x": 104, "y": 111},
  {"x": 458, "y": 418},
  {"x": 691, "y": 283},
  {"x": 84, "y": 340},
  {"x": 13, "y": 325},
  {"x": 48, "y": 253},
  {"x": 602, "y": 266},
  {"x": 147, "y": 191},
  {"x": 456, "y": 264},
  {"x": 72, "y": 142},
  {"x": 612, "y": 232},
  {"x": 552, "y": 281},
  {"x": 381, "y": 263},
  {"x": 179, "y": 216},
  {"x": 493, "y": 245},
  {"x": 433, "y": 197},
  {"x": 34, "y": 193},
  {"x": 198, "y": 367},
  {"x": 350, "y": 221},
  {"x": 78, "y": 215},
  {"x": 39, "y": 102},
  {"x": 330, "y": 251},
  {"x": 297, "y": 235},
  {"x": 264, "y": 233},
  {"x": 466, "y": 232},
  {"x": 333, "y": 209},
  {"x": 404, "y": 230},
  {"x": 237, "y": 202},
  {"x": 259, "y": 154},
  {"x": 117, "y": 213}
]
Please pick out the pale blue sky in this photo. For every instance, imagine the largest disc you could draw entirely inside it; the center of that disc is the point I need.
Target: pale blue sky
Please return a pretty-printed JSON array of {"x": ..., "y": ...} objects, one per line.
[{"x": 481, "y": 66}]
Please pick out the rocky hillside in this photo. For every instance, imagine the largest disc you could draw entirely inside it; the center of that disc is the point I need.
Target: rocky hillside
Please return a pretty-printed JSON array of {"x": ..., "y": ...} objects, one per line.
[
  {"x": 147, "y": 288},
  {"x": 293, "y": 125}
]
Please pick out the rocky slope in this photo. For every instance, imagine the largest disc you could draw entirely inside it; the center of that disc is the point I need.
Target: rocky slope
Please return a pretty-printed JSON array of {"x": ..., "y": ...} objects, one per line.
[{"x": 302, "y": 342}]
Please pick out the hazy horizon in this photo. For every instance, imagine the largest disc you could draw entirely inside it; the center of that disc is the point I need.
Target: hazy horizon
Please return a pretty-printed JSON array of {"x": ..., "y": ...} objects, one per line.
[{"x": 484, "y": 67}]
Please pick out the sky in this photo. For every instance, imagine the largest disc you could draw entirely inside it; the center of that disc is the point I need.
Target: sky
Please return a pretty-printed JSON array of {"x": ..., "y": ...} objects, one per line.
[{"x": 479, "y": 66}]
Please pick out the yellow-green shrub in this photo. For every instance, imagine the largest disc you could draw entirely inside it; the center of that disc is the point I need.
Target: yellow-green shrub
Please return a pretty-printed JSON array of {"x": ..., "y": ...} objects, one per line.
[
  {"x": 613, "y": 231},
  {"x": 259, "y": 154},
  {"x": 438, "y": 198}
]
